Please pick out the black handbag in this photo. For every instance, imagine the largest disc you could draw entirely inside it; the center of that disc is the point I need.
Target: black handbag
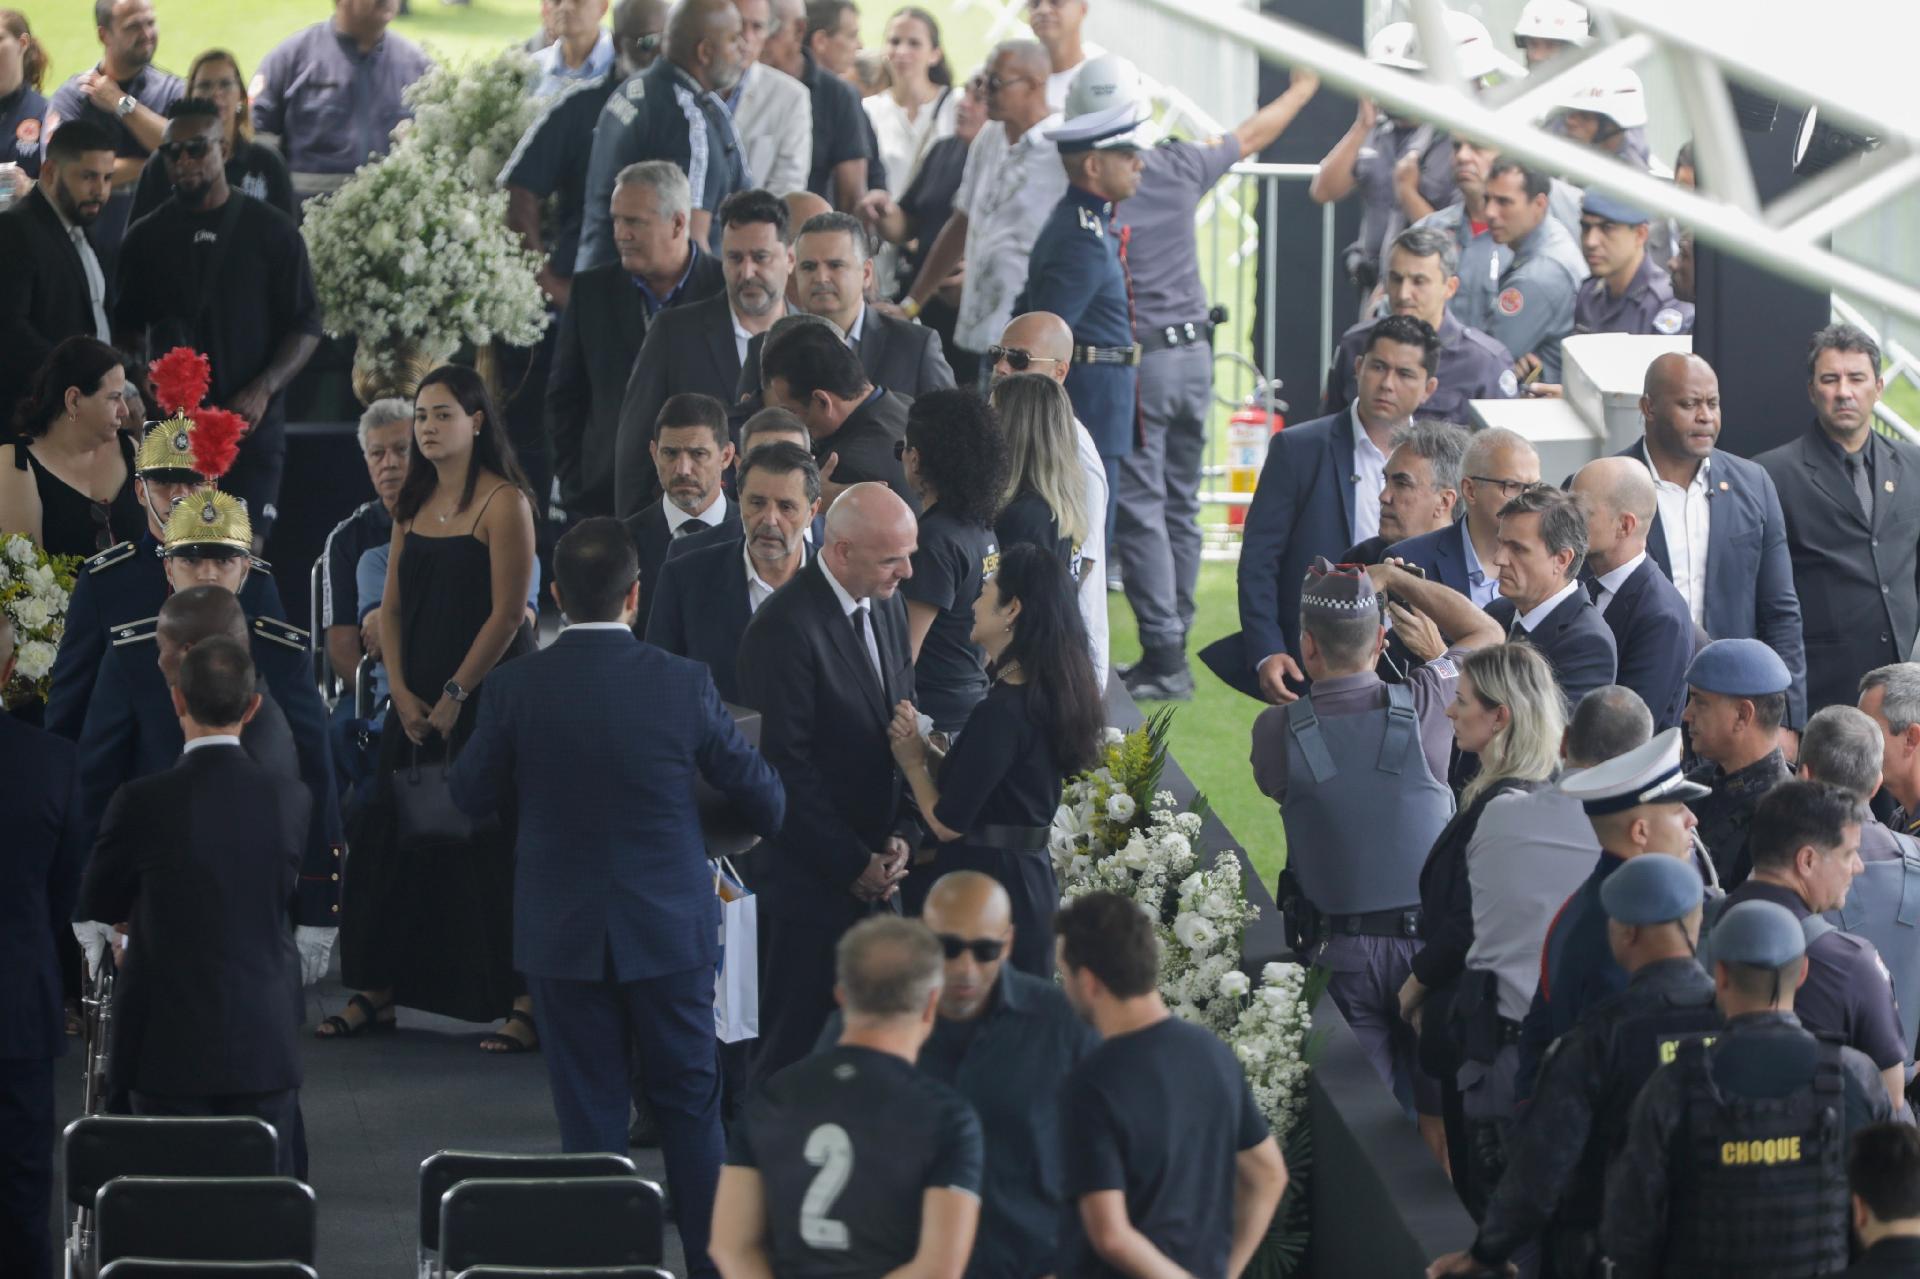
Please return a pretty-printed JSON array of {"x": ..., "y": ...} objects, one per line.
[{"x": 423, "y": 807}]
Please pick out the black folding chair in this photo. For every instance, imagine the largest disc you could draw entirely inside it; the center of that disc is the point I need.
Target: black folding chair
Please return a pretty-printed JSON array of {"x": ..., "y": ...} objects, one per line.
[
  {"x": 560, "y": 1222},
  {"x": 99, "y": 1148},
  {"x": 565, "y": 1272},
  {"x": 206, "y": 1218},
  {"x": 163, "y": 1268},
  {"x": 440, "y": 1172}
]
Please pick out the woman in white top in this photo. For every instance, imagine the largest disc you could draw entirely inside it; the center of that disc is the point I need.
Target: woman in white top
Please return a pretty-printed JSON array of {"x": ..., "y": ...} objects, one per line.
[{"x": 913, "y": 114}]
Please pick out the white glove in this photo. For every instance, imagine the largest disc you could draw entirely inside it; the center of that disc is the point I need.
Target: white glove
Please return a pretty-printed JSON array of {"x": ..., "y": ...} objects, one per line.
[
  {"x": 94, "y": 938},
  {"x": 316, "y": 948}
]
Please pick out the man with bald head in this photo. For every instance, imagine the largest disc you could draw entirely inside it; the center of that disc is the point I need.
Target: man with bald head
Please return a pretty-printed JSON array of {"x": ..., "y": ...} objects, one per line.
[
  {"x": 1652, "y": 631},
  {"x": 824, "y": 661},
  {"x": 1719, "y": 533},
  {"x": 672, "y": 111},
  {"x": 1006, "y": 1041},
  {"x": 1499, "y": 463},
  {"x": 1040, "y": 342}
]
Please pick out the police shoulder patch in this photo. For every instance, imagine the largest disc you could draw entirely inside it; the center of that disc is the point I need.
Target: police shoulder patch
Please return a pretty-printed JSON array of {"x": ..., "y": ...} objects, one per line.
[
  {"x": 269, "y": 628},
  {"x": 1091, "y": 221},
  {"x": 635, "y": 89},
  {"x": 1444, "y": 668},
  {"x": 1509, "y": 384},
  {"x": 134, "y": 632},
  {"x": 27, "y": 132},
  {"x": 1668, "y": 320},
  {"x": 118, "y": 553},
  {"x": 622, "y": 110},
  {"x": 1511, "y": 301}
]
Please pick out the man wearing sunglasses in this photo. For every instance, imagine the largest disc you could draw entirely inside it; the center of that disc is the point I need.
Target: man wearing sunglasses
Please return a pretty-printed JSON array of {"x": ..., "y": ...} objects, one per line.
[{"x": 1006, "y": 1041}]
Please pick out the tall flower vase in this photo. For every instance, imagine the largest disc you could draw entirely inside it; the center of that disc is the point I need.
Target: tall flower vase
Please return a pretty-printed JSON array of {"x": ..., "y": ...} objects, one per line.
[{"x": 392, "y": 367}]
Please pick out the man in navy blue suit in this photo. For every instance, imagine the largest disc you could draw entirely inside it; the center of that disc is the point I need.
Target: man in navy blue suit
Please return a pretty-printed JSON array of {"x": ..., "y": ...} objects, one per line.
[
  {"x": 1543, "y": 543},
  {"x": 1319, "y": 492},
  {"x": 1720, "y": 534},
  {"x": 1499, "y": 463},
  {"x": 1652, "y": 631},
  {"x": 615, "y": 921},
  {"x": 39, "y": 880}
]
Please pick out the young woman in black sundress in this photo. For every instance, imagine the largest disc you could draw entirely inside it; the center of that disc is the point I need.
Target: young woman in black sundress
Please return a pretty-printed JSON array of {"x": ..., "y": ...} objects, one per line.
[{"x": 429, "y": 926}]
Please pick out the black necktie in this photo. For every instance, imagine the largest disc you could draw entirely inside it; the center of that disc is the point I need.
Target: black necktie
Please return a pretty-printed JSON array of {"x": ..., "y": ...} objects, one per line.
[
  {"x": 1594, "y": 589},
  {"x": 1862, "y": 483},
  {"x": 869, "y": 651},
  {"x": 687, "y": 528}
]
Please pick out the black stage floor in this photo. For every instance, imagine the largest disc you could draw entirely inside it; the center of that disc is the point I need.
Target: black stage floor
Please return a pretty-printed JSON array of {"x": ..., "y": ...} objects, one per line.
[{"x": 376, "y": 1106}]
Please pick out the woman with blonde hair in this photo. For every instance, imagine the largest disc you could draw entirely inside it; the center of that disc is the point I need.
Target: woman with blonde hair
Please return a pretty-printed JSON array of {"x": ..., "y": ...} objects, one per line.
[
  {"x": 1045, "y": 502},
  {"x": 252, "y": 167},
  {"x": 1509, "y": 713}
]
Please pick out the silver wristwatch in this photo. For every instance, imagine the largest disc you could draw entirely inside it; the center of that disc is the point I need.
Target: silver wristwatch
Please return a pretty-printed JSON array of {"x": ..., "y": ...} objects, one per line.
[
  {"x": 125, "y": 106},
  {"x": 454, "y": 691}
]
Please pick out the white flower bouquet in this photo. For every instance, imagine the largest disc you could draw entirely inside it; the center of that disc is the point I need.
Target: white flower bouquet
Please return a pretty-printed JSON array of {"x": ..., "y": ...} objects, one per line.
[
  {"x": 469, "y": 118},
  {"x": 34, "y": 590},
  {"x": 409, "y": 252}
]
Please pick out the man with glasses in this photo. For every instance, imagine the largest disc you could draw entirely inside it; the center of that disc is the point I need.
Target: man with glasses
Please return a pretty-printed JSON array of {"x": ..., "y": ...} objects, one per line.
[
  {"x": 1499, "y": 463},
  {"x": 1012, "y": 181},
  {"x": 1006, "y": 1041}
]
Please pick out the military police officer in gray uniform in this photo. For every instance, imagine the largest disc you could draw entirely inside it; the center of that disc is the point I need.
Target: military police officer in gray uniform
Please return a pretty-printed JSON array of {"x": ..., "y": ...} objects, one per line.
[
  {"x": 1627, "y": 292},
  {"x": 1359, "y": 770},
  {"x": 1558, "y": 1155},
  {"x": 1533, "y": 310},
  {"x": 1735, "y": 1158}
]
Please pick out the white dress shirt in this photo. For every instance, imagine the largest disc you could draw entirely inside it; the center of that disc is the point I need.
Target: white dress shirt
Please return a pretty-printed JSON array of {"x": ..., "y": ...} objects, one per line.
[
  {"x": 1006, "y": 191},
  {"x": 1370, "y": 477},
  {"x": 216, "y": 739},
  {"x": 758, "y": 592},
  {"x": 1538, "y": 614},
  {"x": 848, "y": 605},
  {"x": 905, "y": 140},
  {"x": 1685, "y": 521},
  {"x": 1092, "y": 591},
  {"x": 1483, "y": 588},
  {"x": 1610, "y": 583},
  {"x": 716, "y": 511},
  {"x": 596, "y": 626},
  {"x": 773, "y": 116}
]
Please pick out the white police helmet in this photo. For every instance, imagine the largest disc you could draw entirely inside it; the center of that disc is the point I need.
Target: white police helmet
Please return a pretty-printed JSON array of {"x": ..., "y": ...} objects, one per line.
[
  {"x": 1106, "y": 108},
  {"x": 1616, "y": 94},
  {"x": 1562, "y": 20}
]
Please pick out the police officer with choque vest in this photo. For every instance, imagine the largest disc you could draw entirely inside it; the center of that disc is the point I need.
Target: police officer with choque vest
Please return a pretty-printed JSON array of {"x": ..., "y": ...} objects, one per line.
[
  {"x": 1637, "y": 803},
  {"x": 1558, "y": 1154},
  {"x": 1735, "y": 1160},
  {"x": 1359, "y": 770},
  {"x": 123, "y": 586}
]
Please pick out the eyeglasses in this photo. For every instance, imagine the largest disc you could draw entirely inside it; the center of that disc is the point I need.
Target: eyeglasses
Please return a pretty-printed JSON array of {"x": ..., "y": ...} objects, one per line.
[
  {"x": 1508, "y": 488},
  {"x": 985, "y": 949},
  {"x": 994, "y": 83},
  {"x": 193, "y": 147},
  {"x": 647, "y": 44},
  {"x": 1017, "y": 359}
]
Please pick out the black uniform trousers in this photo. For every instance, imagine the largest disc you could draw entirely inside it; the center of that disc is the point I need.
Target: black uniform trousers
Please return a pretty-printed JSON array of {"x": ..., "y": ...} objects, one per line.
[
  {"x": 796, "y": 988},
  {"x": 26, "y": 1166}
]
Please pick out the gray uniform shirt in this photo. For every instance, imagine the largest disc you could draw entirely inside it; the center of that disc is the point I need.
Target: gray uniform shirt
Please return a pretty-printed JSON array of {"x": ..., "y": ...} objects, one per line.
[
  {"x": 330, "y": 105},
  {"x": 1161, "y": 253},
  {"x": 1529, "y": 853},
  {"x": 1381, "y": 217},
  {"x": 1534, "y": 309}
]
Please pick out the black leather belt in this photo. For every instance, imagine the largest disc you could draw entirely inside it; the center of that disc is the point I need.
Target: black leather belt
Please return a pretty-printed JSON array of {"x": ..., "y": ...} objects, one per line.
[
  {"x": 1128, "y": 355},
  {"x": 1011, "y": 839},
  {"x": 1379, "y": 923},
  {"x": 1174, "y": 335}
]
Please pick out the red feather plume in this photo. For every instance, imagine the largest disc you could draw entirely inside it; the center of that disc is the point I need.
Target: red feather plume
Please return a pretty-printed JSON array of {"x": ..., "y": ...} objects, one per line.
[
  {"x": 180, "y": 379},
  {"x": 216, "y": 440}
]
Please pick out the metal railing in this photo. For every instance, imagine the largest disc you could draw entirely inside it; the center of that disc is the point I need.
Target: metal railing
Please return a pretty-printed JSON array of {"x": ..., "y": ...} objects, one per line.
[{"x": 1902, "y": 366}]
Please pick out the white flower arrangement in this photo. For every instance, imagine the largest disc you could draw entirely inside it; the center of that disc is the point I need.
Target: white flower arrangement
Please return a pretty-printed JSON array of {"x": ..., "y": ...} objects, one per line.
[
  {"x": 34, "y": 590},
  {"x": 1269, "y": 1036},
  {"x": 469, "y": 118}
]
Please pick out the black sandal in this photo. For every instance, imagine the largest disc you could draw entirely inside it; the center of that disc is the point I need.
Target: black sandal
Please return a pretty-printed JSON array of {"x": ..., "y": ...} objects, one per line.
[
  {"x": 509, "y": 1044},
  {"x": 338, "y": 1027}
]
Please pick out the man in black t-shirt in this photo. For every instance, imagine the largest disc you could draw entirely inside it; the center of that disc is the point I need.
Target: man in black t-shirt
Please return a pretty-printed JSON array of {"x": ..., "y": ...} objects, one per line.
[
  {"x": 852, "y": 1163},
  {"x": 226, "y": 274},
  {"x": 1163, "y": 1174}
]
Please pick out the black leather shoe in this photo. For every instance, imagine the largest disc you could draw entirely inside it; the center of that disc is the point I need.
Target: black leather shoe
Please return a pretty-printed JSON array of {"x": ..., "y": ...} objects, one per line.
[{"x": 1170, "y": 686}]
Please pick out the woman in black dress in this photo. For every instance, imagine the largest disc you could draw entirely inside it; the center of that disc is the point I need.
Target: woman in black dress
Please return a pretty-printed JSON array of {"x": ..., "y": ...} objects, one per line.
[
  {"x": 1045, "y": 501},
  {"x": 252, "y": 167},
  {"x": 1039, "y": 724},
  {"x": 66, "y": 480},
  {"x": 954, "y": 460},
  {"x": 427, "y": 923}
]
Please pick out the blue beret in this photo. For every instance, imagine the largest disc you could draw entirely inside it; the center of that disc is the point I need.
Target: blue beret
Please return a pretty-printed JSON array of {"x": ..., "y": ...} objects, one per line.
[
  {"x": 1612, "y": 208},
  {"x": 1739, "y": 668},
  {"x": 1651, "y": 889},
  {"x": 1757, "y": 933}
]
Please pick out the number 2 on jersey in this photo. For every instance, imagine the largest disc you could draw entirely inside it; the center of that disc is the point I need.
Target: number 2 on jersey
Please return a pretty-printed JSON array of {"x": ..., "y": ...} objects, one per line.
[{"x": 831, "y": 1151}]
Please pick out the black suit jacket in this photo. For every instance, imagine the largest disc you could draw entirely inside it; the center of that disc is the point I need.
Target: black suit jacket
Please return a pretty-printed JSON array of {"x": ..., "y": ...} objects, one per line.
[
  {"x": 895, "y": 353},
  {"x": 865, "y": 443},
  {"x": 824, "y": 729},
  {"x": 687, "y": 348},
  {"x": 1573, "y": 639},
  {"x": 651, "y": 539},
  {"x": 40, "y": 860},
  {"x": 1858, "y": 581},
  {"x": 1891, "y": 1258},
  {"x": 601, "y": 333},
  {"x": 1653, "y": 637},
  {"x": 209, "y": 1000},
  {"x": 45, "y": 298},
  {"x": 700, "y": 607}
]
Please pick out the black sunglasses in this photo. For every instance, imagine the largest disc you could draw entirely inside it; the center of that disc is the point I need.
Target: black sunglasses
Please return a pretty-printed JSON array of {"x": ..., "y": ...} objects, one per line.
[
  {"x": 985, "y": 949},
  {"x": 194, "y": 148},
  {"x": 1018, "y": 359}
]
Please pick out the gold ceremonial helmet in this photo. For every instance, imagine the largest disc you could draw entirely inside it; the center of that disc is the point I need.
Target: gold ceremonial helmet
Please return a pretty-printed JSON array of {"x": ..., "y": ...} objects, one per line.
[
  {"x": 208, "y": 524},
  {"x": 166, "y": 452}
]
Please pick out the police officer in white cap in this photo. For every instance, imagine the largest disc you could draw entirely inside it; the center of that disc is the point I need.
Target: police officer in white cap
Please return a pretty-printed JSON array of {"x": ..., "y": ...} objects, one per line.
[
  {"x": 1735, "y": 1158},
  {"x": 1637, "y": 803},
  {"x": 1078, "y": 269}
]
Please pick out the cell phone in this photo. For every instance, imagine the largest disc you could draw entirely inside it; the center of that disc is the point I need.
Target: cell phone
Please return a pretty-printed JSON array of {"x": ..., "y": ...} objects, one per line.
[{"x": 1411, "y": 570}]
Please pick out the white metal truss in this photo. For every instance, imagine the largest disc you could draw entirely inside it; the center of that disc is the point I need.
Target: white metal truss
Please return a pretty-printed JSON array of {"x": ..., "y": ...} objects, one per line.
[{"x": 1787, "y": 236}]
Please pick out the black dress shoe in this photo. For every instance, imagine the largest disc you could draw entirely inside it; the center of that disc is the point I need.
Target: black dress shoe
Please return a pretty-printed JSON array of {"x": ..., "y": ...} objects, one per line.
[{"x": 1168, "y": 686}]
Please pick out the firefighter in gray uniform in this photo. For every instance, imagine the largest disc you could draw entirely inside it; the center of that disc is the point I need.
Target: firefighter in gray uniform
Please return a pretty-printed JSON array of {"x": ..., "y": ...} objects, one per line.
[
  {"x": 1627, "y": 292},
  {"x": 1735, "y": 1158},
  {"x": 1359, "y": 769},
  {"x": 1533, "y": 309}
]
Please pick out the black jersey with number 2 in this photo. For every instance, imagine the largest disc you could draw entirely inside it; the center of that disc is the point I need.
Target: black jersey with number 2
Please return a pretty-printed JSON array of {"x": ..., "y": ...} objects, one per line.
[{"x": 847, "y": 1143}]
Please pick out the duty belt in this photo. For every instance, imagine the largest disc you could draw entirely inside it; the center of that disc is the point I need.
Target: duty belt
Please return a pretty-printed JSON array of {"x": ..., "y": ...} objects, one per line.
[
  {"x": 1127, "y": 355},
  {"x": 1379, "y": 923},
  {"x": 1174, "y": 335},
  {"x": 1011, "y": 839}
]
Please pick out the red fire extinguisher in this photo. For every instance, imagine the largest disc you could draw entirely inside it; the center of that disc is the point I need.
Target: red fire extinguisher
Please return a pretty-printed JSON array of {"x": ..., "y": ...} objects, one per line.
[{"x": 1249, "y": 430}]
